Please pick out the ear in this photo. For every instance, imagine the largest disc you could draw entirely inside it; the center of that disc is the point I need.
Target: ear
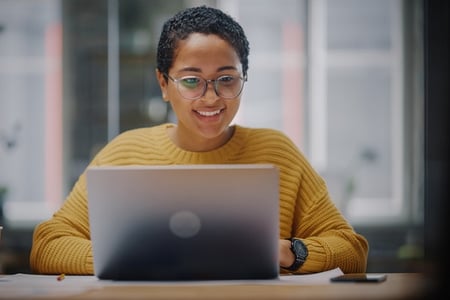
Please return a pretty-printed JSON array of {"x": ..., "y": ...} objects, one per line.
[{"x": 162, "y": 80}]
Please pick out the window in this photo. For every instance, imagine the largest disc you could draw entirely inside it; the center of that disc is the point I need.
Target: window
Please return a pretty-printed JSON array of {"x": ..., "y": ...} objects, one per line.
[
  {"x": 341, "y": 78},
  {"x": 30, "y": 110},
  {"x": 357, "y": 127}
]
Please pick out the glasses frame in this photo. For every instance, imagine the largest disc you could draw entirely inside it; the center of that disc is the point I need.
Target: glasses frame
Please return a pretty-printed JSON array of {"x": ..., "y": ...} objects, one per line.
[{"x": 208, "y": 81}]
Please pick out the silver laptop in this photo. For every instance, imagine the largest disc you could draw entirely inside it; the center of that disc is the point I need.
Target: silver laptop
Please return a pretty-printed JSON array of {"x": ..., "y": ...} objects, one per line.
[{"x": 184, "y": 222}]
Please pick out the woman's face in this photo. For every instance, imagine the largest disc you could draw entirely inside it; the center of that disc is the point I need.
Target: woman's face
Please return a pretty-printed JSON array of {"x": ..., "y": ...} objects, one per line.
[{"x": 203, "y": 121}]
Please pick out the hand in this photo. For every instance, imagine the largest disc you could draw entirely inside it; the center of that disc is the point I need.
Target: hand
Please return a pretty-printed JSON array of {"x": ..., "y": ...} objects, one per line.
[{"x": 286, "y": 256}]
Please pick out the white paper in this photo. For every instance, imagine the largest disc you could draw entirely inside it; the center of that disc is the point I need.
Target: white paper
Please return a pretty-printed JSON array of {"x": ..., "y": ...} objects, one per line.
[{"x": 311, "y": 279}]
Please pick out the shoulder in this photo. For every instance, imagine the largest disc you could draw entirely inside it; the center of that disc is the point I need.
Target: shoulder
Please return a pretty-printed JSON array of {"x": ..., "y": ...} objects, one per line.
[
  {"x": 267, "y": 138},
  {"x": 264, "y": 145},
  {"x": 131, "y": 142},
  {"x": 272, "y": 146},
  {"x": 140, "y": 136},
  {"x": 259, "y": 132}
]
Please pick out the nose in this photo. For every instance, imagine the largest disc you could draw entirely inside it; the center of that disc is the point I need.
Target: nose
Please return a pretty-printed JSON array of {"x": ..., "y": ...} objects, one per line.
[{"x": 210, "y": 91}]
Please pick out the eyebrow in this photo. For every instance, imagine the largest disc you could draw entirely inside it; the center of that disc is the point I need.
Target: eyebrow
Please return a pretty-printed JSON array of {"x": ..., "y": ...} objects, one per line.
[{"x": 193, "y": 69}]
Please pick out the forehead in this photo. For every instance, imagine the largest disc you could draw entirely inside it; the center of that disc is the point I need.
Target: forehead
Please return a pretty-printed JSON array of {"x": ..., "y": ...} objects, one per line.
[{"x": 205, "y": 52}]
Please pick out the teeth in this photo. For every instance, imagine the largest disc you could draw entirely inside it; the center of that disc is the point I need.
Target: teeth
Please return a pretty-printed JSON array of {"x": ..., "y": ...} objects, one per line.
[{"x": 209, "y": 113}]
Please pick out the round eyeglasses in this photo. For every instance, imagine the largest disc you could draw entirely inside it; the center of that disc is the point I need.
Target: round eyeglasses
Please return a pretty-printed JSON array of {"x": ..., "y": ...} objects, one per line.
[{"x": 194, "y": 87}]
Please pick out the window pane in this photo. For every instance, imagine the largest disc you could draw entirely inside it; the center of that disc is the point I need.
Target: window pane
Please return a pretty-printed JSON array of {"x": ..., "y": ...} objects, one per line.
[
  {"x": 364, "y": 138},
  {"x": 30, "y": 115},
  {"x": 359, "y": 24},
  {"x": 359, "y": 132}
]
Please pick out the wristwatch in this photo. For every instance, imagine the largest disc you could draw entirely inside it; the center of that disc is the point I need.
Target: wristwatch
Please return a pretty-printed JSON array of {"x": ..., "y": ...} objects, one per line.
[{"x": 301, "y": 253}]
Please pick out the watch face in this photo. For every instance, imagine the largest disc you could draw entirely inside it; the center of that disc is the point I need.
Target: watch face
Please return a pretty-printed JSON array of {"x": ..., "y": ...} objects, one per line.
[{"x": 300, "y": 249}]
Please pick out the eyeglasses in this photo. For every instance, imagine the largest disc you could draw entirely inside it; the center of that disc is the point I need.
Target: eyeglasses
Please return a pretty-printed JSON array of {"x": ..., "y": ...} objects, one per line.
[{"x": 194, "y": 87}]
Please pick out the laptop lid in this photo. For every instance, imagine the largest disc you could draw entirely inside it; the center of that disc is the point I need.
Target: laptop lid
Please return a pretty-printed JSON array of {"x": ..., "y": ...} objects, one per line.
[{"x": 184, "y": 222}]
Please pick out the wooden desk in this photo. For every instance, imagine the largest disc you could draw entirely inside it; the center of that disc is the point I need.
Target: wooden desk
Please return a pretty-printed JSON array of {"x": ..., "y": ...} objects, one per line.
[{"x": 397, "y": 286}]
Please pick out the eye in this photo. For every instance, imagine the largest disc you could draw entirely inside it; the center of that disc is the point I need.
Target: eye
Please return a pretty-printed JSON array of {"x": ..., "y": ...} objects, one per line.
[
  {"x": 227, "y": 80},
  {"x": 190, "y": 82}
]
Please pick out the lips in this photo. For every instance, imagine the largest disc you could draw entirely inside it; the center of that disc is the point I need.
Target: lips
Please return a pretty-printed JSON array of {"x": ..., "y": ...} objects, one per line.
[{"x": 209, "y": 113}]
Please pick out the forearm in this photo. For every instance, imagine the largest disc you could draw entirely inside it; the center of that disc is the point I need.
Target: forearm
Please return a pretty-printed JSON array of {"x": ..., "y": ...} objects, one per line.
[
  {"x": 56, "y": 250},
  {"x": 330, "y": 239},
  {"x": 346, "y": 250}
]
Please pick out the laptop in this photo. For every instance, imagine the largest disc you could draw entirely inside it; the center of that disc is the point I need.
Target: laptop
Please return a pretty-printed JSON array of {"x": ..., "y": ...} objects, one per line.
[{"x": 184, "y": 222}]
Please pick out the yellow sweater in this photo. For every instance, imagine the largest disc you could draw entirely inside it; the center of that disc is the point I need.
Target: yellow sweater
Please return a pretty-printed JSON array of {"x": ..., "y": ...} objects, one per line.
[{"x": 62, "y": 244}]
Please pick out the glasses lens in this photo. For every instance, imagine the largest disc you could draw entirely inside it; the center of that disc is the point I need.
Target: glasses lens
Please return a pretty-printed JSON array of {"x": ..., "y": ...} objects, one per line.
[
  {"x": 191, "y": 87},
  {"x": 229, "y": 86}
]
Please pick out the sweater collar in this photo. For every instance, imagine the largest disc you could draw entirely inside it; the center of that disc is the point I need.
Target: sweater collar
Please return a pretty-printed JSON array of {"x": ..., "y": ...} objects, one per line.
[{"x": 223, "y": 154}]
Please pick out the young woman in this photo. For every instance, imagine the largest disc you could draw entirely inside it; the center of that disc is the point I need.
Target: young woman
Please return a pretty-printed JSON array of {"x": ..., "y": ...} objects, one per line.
[{"x": 202, "y": 63}]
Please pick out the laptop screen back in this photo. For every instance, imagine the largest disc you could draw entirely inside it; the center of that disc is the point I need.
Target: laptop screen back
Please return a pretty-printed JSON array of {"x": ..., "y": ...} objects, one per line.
[{"x": 184, "y": 222}]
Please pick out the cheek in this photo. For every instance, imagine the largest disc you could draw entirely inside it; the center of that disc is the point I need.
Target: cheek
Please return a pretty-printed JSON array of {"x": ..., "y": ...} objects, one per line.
[
  {"x": 179, "y": 106},
  {"x": 171, "y": 93},
  {"x": 232, "y": 110},
  {"x": 235, "y": 105}
]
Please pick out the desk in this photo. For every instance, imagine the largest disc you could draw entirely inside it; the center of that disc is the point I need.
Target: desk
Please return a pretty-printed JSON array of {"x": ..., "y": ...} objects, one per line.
[{"x": 397, "y": 286}]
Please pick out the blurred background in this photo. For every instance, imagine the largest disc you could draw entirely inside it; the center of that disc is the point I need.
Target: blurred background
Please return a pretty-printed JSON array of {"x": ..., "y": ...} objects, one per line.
[{"x": 343, "y": 78}]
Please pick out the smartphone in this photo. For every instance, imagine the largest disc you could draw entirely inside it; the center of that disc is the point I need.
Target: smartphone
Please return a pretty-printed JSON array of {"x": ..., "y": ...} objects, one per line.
[{"x": 359, "y": 277}]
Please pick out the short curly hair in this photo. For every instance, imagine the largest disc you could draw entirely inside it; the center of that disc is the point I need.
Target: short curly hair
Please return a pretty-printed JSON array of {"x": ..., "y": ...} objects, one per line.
[{"x": 200, "y": 19}]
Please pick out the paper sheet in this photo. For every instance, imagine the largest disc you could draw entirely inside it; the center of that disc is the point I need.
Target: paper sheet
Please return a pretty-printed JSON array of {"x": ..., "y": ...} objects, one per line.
[{"x": 27, "y": 285}]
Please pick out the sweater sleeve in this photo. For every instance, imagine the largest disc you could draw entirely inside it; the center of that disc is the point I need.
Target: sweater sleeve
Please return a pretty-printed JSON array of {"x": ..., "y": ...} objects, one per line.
[
  {"x": 62, "y": 243},
  {"x": 330, "y": 239},
  {"x": 307, "y": 211}
]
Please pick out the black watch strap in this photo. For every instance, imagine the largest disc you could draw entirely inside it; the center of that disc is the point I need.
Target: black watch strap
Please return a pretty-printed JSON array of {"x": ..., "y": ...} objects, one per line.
[{"x": 300, "y": 252}]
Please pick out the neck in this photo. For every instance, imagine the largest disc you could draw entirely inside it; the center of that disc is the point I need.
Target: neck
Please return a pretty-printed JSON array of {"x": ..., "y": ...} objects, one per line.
[{"x": 199, "y": 144}]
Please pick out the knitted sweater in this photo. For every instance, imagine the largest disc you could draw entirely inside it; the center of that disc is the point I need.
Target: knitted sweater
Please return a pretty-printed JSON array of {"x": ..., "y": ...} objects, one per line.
[{"x": 62, "y": 244}]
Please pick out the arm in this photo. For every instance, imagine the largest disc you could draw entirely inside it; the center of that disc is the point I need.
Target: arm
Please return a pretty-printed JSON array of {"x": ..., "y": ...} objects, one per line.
[
  {"x": 306, "y": 210},
  {"x": 308, "y": 213},
  {"x": 62, "y": 244},
  {"x": 330, "y": 240}
]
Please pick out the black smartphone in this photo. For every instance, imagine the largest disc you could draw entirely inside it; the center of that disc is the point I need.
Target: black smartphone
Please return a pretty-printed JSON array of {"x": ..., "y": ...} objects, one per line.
[{"x": 359, "y": 277}]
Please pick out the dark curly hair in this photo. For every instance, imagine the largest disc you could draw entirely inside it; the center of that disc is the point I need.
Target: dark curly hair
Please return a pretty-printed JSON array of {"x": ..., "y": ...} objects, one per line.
[{"x": 201, "y": 19}]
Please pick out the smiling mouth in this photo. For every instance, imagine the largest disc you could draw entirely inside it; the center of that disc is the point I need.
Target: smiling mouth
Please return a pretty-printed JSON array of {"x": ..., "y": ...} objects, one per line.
[{"x": 209, "y": 113}]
